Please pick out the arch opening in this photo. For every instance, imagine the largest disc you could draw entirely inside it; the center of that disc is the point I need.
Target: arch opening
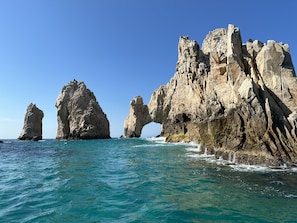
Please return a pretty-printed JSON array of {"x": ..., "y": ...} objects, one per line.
[{"x": 151, "y": 129}]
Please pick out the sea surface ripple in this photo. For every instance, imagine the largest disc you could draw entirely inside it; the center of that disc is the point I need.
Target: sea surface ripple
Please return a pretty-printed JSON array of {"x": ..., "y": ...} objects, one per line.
[{"x": 136, "y": 180}]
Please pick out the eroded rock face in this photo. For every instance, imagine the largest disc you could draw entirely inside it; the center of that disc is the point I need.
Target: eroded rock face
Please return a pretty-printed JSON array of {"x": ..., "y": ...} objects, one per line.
[
  {"x": 79, "y": 114},
  {"x": 232, "y": 98},
  {"x": 32, "y": 129},
  {"x": 138, "y": 118}
]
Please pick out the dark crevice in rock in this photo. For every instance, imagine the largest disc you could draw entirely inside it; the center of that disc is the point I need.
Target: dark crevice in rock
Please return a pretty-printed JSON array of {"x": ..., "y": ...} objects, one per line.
[{"x": 242, "y": 129}]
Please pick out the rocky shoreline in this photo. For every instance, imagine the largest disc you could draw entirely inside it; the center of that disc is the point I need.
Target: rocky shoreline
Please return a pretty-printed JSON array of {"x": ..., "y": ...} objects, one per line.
[
  {"x": 233, "y": 99},
  {"x": 229, "y": 97}
]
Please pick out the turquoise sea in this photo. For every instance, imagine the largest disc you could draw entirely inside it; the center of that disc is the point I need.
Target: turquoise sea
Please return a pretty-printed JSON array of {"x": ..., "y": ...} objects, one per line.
[{"x": 136, "y": 180}]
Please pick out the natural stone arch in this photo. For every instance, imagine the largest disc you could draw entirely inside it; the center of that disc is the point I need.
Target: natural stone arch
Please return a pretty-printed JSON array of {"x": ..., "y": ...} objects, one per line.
[
  {"x": 229, "y": 97},
  {"x": 150, "y": 129},
  {"x": 139, "y": 116}
]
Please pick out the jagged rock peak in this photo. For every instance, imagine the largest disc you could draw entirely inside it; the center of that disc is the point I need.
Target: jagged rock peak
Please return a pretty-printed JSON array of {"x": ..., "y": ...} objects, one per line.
[
  {"x": 32, "y": 129},
  {"x": 79, "y": 114},
  {"x": 188, "y": 50},
  {"x": 215, "y": 40},
  {"x": 234, "y": 99}
]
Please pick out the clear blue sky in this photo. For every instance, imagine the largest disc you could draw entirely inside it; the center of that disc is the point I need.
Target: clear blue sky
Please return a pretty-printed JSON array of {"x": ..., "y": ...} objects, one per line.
[{"x": 119, "y": 48}]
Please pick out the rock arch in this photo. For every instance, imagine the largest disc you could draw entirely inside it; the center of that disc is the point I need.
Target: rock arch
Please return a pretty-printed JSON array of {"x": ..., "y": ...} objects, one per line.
[
  {"x": 151, "y": 129},
  {"x": 229, "y": 97},
  {"x": 139, "y": 116}
]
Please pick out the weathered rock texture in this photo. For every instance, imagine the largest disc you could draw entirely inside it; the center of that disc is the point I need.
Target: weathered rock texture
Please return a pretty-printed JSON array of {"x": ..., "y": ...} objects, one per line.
[
  {"x": 32, "y": 129},
  {"x": 235, "y": 99},
  {"x": 79, "y": 114}
]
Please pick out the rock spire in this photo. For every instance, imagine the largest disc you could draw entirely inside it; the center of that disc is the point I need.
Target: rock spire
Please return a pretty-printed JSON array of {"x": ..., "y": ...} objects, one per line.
[
  {"x": 232, "y": 98},
  {"x": 32, "y": 129},
  {"x": 79, "y": 114}
]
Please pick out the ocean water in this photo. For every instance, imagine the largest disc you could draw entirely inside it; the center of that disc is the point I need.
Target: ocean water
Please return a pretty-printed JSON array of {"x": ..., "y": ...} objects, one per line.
[{"x": 136, "y": 180}]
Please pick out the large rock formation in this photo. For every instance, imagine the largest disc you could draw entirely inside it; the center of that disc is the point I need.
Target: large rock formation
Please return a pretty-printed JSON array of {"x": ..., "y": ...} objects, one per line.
[
  {"x": 32, "y": 129},
  {"x": 79, "y": 114},
  {"x": 234, "y": 99}
]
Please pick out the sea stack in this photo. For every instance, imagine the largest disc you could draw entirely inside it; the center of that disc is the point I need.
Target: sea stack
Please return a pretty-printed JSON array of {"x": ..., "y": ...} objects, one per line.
[
  {"x": 237, "y": 100},
  {"x": 32, "y": 129},
  {"x": 79, "y": 114}
]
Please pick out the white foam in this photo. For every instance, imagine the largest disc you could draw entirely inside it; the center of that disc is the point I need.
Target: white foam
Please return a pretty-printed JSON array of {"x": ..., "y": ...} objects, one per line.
[
  {"x": 150, "y": 145},
  {"x": 294, "y": 169},
  {"x": 193, "y": 144},
  {"x": 195, "y": 148},
  {"x": 7, "y": 142},
  {"x": 258, "y": 168},
  {"x": 196, "y": 153},
  {"x": 249, "y": 168},
  {"x": 156, "y": 139},
  {"x": 182, "y": 143},
  {"x": 291, "y": 196}
]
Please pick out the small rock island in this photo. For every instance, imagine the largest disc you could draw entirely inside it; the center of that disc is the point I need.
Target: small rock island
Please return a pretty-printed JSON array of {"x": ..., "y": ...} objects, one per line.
[
  {"x": 32, "y": 129},
  {"x": 234, "y": 99},
  {"x": 79, "y": 114}
]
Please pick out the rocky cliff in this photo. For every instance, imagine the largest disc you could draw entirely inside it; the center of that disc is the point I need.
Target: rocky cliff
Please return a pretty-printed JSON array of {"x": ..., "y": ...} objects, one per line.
[
  {"x": 79, "y": 114},
  {"x": 234, "y": 99},
  {"x": 32, "y": 129}
]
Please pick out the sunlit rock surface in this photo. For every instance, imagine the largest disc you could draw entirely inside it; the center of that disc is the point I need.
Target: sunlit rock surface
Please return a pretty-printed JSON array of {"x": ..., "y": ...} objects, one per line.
[
  {"x": 79, "y": 114},
  {"x": 234, "y": 99},
  {"x": 32, "y": 129}
]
